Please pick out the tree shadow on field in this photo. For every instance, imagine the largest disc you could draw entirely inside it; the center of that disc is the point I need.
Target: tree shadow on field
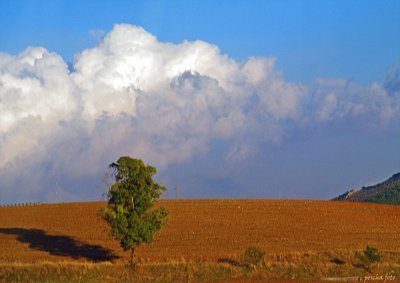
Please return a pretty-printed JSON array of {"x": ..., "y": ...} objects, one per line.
[{"x": 59, "y": 245}]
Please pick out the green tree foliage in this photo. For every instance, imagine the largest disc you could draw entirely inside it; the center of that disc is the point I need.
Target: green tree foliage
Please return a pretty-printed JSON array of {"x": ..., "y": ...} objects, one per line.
[{"x": 129, "y": 210}]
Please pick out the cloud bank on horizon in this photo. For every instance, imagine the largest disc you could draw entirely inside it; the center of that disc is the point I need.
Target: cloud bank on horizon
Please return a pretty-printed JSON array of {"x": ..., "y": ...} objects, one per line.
[{"x": 162, "y": 102}]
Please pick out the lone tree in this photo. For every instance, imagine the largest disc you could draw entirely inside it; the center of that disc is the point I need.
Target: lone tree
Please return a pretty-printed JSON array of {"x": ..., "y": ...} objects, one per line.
[{"x": 129, "y": 210}]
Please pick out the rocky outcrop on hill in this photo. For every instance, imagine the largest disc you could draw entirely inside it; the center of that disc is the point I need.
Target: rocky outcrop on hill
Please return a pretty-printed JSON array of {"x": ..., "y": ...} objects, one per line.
[{"x": 386, "y": 192}]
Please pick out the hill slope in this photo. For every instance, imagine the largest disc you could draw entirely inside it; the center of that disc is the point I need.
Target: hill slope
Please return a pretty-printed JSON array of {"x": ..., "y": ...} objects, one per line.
[{"x": 387, "y": 192}]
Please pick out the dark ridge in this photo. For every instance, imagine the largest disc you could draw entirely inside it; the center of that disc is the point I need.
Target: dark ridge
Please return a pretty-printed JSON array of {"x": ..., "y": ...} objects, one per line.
[{"x": 387, "y": 192}]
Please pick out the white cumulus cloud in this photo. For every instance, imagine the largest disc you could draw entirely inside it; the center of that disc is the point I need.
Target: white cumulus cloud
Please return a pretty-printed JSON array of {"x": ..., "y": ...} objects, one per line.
[{"x": 163, "y": 102}]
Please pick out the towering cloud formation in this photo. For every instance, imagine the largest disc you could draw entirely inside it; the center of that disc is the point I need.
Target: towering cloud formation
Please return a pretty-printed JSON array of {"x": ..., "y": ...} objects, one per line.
[{"x": 163, "y": 102}]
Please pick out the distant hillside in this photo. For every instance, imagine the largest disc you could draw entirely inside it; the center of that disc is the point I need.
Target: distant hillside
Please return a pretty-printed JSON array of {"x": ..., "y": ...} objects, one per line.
[{"x": 387, "y": 192}]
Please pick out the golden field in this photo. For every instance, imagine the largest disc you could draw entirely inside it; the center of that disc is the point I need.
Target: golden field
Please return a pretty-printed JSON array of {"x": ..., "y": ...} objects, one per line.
[{"x": 289, "y": 231}]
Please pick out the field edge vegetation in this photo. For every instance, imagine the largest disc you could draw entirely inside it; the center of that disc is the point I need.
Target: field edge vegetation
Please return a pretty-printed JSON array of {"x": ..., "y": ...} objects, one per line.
[{"x": 294, "y": 266}]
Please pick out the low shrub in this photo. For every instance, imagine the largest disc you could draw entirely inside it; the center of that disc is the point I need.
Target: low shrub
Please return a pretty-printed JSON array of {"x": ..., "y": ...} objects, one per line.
[
  {"x": 252, "y": 256},
  {"x": 369, "y": 256}
]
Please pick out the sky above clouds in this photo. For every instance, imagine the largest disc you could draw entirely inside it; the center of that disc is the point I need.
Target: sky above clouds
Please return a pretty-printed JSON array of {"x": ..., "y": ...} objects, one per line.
[{"x": 270, "y": 99}]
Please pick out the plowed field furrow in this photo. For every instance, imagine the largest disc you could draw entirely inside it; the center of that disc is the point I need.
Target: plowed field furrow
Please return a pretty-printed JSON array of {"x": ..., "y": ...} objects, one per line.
[{"x": 202, "y": 229}]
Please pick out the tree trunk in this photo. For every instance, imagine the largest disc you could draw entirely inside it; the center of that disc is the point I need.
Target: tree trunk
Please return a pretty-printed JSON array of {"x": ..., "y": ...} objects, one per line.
[{"x": 133, "y": 261}]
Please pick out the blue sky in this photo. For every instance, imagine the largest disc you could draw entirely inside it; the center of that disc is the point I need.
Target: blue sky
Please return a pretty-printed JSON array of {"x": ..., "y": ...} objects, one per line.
[
  {"x": 321, "y": 119},
  {"x": 350, "y": 39}
]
